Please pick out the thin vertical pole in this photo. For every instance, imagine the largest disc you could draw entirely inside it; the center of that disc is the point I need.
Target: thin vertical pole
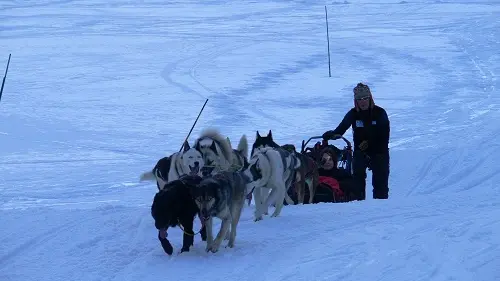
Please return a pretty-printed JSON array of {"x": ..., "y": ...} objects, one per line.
[
  {"x": 4, "y": 77},
  {"x": 328, "y": 42}
]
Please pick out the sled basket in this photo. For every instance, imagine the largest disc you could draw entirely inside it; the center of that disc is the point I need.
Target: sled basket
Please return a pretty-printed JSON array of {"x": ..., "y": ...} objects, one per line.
[{"x": 344, "y": 160}]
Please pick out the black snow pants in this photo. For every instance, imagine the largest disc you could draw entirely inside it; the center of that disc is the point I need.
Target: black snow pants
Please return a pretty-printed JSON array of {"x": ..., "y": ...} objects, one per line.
[{"x": 379, "y": 164}]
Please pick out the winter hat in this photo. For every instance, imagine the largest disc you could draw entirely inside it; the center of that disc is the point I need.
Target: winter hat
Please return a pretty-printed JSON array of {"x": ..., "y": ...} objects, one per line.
[{"x": 361, "y": 91}]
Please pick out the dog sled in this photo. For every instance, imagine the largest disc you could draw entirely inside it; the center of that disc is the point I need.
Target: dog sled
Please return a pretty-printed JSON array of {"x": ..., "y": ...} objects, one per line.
[
  {"x": 331, "y": 189},
  {"x": 344, "y": 160}
]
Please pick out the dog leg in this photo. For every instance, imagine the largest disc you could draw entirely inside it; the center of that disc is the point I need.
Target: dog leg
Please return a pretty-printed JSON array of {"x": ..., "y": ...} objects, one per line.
[
  {"x": 300, "y": 188},
  {"x": 281, "y": 192},
  {"x": 273, "y": 198},
  {"x": 234, "y": 223},
  {"x": 222, "y": 233},
  {"x": 210, "y": 235},
  {"x": 188, "y": 235},
  {"x": 203, "y": 230},
  {"x": 249, "y": 198},
  {"x": 258, "y": 204},
  {"x": 203, "y": 233},
  {"x": 313, "y": 186},
  {"x": 228, "y": 234},
  {"x": 165, "y": 244},
  {"x": 265, "y": 192},
  {"x": 309, "y": 183},
  {"x": 288, "y": 199}
]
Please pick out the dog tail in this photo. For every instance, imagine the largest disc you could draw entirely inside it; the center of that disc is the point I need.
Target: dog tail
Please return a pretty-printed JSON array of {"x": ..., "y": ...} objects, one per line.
[
  {"x": 148, "y": 176},
  {"x": 219, "y": 139},
  {"x": 243, "y": 146}
]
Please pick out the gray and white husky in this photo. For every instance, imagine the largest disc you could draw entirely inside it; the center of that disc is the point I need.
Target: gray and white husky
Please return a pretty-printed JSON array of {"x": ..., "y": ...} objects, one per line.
[
  {"x": 261, "y": 143},
  {"x": 167, "y": 169},
  {"x": 271, "y": 169},
  {"x": 221, "y": 195},
  {"x": 218, "y": 153}
]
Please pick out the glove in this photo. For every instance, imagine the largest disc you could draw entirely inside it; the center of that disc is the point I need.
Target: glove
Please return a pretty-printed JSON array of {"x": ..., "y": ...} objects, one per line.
[
  {"x": 363, "y": 145},
  {"x": 330, "y": 135}
]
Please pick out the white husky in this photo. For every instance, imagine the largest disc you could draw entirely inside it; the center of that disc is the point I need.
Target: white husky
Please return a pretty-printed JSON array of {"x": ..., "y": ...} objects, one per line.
[
  {"x": 274, "y": 169},
  {"x": 167, "y": 169},
  {"x": 218, "y": 153}
]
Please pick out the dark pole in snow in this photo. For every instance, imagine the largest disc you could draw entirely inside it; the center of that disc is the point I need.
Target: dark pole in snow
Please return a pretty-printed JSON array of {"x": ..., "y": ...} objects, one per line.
[
  {"x": 193, "y": 125},
  {"x": 328, "y": 41},
  {"x": 4, "y": 77}
]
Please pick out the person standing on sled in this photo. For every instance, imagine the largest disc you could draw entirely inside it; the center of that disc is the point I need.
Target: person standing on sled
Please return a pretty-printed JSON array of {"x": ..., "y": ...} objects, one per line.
[{"x": 371, "y": 129}]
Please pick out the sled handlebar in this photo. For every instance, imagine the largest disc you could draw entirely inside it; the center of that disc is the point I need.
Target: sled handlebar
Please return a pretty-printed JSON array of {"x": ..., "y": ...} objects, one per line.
[{"x": 304, "y": 144}]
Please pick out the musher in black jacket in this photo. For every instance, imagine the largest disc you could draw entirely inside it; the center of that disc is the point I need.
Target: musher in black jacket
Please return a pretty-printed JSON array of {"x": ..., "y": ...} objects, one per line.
[{"x": 371, "y": 130}]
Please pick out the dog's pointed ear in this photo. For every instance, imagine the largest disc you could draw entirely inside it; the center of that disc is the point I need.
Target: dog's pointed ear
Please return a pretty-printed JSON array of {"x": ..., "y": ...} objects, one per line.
[
  {"x": 186, "y": 146},
  {"x": 213, "y": 147},
  {"x": 258, "y": 135},
  {"x": 270, "y": 134}
]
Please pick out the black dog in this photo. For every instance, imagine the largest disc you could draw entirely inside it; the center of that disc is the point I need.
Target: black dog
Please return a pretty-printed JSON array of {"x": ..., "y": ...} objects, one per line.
[{"x": 174, "y": 206}]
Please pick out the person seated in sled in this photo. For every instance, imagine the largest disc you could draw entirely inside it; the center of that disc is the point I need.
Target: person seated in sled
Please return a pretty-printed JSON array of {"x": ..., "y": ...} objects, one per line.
[{"x": 335, "y": 185}]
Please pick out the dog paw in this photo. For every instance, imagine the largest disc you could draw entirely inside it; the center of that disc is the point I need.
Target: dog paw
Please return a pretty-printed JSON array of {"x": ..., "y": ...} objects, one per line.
[
  {"x": 212, "y": 249},
  {"x": 209, "y": 247},
  {"x": 276, "y": 213},
  {"x": 167, "y": 247},
  {"x": 257, "y": 219},
  {"x": 184, "y": 250}
]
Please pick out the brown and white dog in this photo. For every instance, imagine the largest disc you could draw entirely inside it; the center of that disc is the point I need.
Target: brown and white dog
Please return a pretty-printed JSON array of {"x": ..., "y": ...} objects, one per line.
[{"x": 307, "y": 173}]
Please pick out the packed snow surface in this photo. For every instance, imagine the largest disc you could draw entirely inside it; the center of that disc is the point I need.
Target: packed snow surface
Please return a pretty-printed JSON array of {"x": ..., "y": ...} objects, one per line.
[{"x": 97, "y": 91}]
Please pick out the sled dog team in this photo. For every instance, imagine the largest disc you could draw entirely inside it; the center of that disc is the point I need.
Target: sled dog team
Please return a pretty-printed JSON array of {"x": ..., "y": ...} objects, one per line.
[{"x": 211, "y": 179}]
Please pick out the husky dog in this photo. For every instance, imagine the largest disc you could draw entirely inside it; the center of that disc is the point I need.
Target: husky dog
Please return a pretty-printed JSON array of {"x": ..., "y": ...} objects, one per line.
[
  {"x": 271, "y": 168},
  {"x": 261, "y": 142},
  {"x": 222, "y": 195},
  {"x": 240, "y": 154},
  {"x": 307, "y": 173},
  {"x": 218, "y": 154},
  {"x": 174, "y": 206},
  {"x": 189, "y": 161}
]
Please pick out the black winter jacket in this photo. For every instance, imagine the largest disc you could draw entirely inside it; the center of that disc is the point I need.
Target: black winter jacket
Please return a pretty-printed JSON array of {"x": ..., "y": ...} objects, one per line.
[{"x": 371, "y": 125}]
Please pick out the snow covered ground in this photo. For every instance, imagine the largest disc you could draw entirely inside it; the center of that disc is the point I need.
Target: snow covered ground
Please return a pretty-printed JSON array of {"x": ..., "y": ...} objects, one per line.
[{"x": 98, "y": 90}]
